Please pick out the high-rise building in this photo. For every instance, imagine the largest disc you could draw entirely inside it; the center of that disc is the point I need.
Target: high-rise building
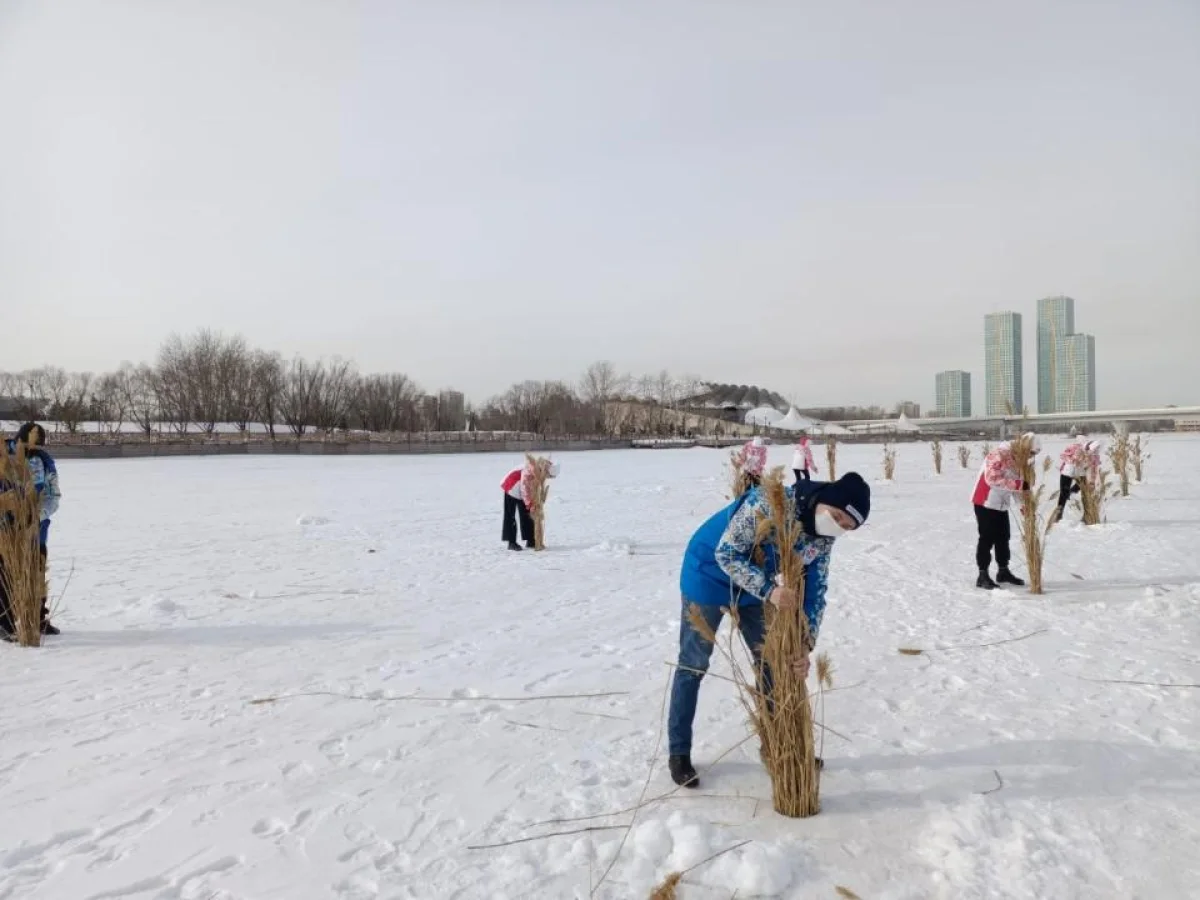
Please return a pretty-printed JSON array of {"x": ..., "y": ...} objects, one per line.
[
  {"x": 1075, "y": 380},
  {"x": 953, "y": 394},
  {"x": 1056, "y": 320},
  {"x": 1003, "y": 379}
]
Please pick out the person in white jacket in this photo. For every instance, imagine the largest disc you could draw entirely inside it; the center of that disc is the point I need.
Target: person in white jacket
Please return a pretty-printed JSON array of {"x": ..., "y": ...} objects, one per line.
[
  {"x": 802, "y": 460},
  {"x": 516, "y": 506}
]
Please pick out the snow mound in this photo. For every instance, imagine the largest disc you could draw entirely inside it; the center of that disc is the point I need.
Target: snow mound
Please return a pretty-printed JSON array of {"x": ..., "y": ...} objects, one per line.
[
  {"x": 621, "y": 547},
  {"x": 313, "y": 521}
]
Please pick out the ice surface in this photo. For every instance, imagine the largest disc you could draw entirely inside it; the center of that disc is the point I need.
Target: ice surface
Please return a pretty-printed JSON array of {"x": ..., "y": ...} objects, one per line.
[{"x": 133, "y": 763}]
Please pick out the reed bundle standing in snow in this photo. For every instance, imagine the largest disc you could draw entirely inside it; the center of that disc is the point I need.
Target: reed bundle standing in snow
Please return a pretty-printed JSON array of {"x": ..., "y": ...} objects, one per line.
[
  {"x": 768, "y": 550},
  {"x": 535, "y": 484},
  {"x": 746, "y": 465},
  {"x": 935, "y": 447},
  {"x": 29, "y": 497},
  {"x": 1034, "y": 527},
  {"x": 1138, "y": 456},
  {"x": 1119, "y": 454},
  {"x": 831, "y": 446},
  {"x": 889, "y": 463},
  {"x": 1079, "y": 473},
  {"x": 1000, "y": 485},
  {"x": 964, "y": 455}
]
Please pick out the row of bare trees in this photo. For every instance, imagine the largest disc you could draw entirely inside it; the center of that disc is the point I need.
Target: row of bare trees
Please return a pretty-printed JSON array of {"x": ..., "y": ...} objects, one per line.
[
  {"x": 205, "y": 380},
  {"x": 208, "y": 379}
]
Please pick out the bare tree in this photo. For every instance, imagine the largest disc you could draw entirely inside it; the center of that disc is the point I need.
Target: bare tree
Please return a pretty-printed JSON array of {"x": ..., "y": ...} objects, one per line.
[
  {"x": 270, "y": 381},
  {"x": 110, "y": 400},
  {"x": 336, "y": 396},
  {"x": 300, "y": 399},
  {"x": 140, "y": 386},
  {"x": 74, "y": 405},
  {"x": 387, "y": 403},
  {"x": 174, "y": 388}
]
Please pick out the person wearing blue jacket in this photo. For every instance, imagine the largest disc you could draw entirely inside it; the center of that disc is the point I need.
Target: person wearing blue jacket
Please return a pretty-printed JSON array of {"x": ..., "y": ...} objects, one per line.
[
  {"x": 722, "y": 569},
  {"x": 44, "y": 475}
]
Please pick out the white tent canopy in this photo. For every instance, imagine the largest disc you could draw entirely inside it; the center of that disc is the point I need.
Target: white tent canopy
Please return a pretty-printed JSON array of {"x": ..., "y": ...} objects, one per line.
[
  {"x": 764, "y": 417},
  {"x": 793, "y": 421}
]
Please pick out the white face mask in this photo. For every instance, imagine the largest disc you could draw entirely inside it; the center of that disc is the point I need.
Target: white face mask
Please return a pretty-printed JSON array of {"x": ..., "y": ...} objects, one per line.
[{"x": 827, "y": 525}]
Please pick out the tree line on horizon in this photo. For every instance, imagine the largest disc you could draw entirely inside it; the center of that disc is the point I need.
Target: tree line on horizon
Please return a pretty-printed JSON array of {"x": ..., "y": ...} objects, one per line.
[{"x": 209, "y": 379}]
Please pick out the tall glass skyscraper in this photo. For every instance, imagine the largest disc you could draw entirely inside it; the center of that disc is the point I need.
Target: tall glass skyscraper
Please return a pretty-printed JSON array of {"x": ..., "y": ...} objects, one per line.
[
  {"x": 953, "y": 394},
  {"x": 1075, "y": 374},
  {"x": 1003, "y": 362},
  {"x": 1056, "y": 320}
]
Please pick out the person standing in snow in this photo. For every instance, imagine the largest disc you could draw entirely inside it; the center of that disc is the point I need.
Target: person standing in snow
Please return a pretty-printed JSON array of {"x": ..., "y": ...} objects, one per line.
[
  {"x": 749, "y": 463},
  {"x": 1081, "y": 460},
  {"x": 998, "y": 487},
  {"x": 802, "y": 460},
  {"x": 31, "y": 439},
  {"x": 517, "y": 487},
  {"x": 724, "y": 566}
]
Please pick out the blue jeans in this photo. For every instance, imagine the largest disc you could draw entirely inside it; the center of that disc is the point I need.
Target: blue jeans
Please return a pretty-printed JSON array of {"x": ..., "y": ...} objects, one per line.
[{"x": 694, "y": 654}]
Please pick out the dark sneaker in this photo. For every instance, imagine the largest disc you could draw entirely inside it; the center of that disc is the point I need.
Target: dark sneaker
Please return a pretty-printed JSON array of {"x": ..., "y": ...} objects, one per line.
[
  {"x": 532, "y": 545},
  {"x": 1004, "y": 576},
  {"x": 513, "y": 545},
  {"x": 683, "y": 772},
  {"x": 49, "y": 629},
  {"x": 985, "y": 581}
]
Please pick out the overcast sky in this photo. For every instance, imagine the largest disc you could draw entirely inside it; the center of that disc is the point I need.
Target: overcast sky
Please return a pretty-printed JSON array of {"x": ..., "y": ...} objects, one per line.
[{"x": 820, "y": 198}]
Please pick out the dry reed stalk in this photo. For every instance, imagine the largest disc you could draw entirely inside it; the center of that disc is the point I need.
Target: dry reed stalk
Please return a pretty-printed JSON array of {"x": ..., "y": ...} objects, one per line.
[
  {"x": 831, "y": 447},
  {"x": 935, "y": 447},
  {"x": 1119, "y": 454},
  {"x": 1138, "y": 456},
  {"x": 539, "y": 490},
  {"x": 845, "y": 893},
  {"x": 889, "y": 463},
  {"x": 739, "y": 481},
  {"x": 964, "y": 455},
  {"x": 1091, "y": 497},
  {"x": 1033, "y": 526},
  {"x": 785, "y": 719},
  {"x": 668, "y": 889},
  {"x": 21, "y": 569},
  {"x": 985, "y": 448}
]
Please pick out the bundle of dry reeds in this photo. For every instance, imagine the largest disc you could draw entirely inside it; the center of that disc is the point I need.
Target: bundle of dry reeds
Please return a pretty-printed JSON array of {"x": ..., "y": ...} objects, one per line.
[
  {"x": 985, "y": 448},
  {"x": 1032, "y": 524},
  {"x": 777, "y": 700},
  {"x": 889, "y": 463},
  {"x": 1092, "y": 492},
  {"x": 936, "y": 447},
  {"x": 739, "y": 481},
  {"x": 537, "y": 490},
  {"x": 1119, "y": 454},
  {"x": 831, "y": 447},
  {"x": 1138, "y": 456},
  {"x": 964, "y": 455},
  {"x": 21, "y": 572}
]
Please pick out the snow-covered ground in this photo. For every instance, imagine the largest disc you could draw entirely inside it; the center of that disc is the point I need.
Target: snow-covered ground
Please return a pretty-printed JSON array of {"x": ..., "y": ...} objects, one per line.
[{"x": 133, "y": 763}]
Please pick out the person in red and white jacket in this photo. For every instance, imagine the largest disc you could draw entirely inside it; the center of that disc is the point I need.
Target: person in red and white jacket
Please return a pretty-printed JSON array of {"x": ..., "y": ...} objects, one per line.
[
  {"x": 516, "y": 487},
  {"x": 802, "y": 460},
  {"x": 1081, "y": 460},
  {"x": 998, "y": 487}
]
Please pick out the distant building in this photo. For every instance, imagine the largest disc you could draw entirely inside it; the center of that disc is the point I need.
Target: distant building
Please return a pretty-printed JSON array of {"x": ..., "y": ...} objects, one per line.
[
  {"x": 953, "y": 391},
  {"x": 1004, "y": 362},
  {"x": 446, "y": 411},
  {"x": 1075, "y": 375},
  {"x": 452, "y": 411},
  {"x": 1056, "y": 320},
  {"x": 732, "y": 402},
  {"x": 908, "y": 408}
]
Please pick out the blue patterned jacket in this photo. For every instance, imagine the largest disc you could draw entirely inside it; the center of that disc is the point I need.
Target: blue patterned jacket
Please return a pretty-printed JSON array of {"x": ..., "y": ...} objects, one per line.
[
  {"x": 719, "y": 565},
  {"x": 45, "y": 478}
]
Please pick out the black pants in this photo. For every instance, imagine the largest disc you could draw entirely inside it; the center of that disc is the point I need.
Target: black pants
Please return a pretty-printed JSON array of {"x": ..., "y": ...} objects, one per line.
[
  {"x": 994, "y": 533},
  {"x": 1066, "y": 487},
  {"x": 515, "y": 510},
  {"x": 801, "y": 474}
]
